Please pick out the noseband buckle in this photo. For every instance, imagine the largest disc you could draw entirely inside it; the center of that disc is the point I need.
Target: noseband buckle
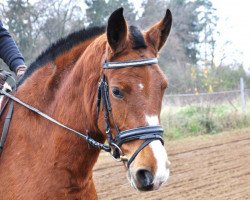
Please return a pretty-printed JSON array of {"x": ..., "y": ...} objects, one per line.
[{"x": 117, "y": 153}]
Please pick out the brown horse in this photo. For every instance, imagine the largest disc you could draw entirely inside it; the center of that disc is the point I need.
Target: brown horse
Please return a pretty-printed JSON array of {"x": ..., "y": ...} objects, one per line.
[{"x": 41, "y": 160}]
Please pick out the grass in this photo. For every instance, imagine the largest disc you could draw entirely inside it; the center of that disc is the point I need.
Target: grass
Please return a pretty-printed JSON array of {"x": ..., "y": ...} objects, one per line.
[{"x": 194, "y": 120}]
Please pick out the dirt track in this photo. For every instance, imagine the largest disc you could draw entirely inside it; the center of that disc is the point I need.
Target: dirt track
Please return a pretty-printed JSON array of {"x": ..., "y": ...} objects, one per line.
[{"x": 205, "y": 167}]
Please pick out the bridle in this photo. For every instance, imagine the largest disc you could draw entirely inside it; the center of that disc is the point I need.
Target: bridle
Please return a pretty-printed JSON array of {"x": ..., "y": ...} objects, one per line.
[{"x": 146, "y": 133}]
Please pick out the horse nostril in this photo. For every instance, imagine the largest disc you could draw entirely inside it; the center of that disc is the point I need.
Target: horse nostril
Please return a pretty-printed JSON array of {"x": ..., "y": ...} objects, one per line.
[{"x": 145, "y": 179}]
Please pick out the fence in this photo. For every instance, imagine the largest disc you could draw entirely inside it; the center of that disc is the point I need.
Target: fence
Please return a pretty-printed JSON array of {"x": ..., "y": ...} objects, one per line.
[
  {"x": 205, "y": 112},
  {"x": 235, "y": 98}
]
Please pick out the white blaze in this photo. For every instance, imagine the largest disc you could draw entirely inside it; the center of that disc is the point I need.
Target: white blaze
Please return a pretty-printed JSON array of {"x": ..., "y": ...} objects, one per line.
[
  {"x": 152, "y": 120},
  {"x": 160, "y": 155},
  {"x": 162, "y": 168}
]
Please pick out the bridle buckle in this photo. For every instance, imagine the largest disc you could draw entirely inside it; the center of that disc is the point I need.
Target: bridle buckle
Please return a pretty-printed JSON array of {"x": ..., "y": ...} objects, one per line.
[{"x": 120, "y": 156}]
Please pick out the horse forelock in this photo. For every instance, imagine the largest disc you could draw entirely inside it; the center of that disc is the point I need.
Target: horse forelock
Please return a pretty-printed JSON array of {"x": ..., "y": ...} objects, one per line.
[{"x": 138, "y": 40}]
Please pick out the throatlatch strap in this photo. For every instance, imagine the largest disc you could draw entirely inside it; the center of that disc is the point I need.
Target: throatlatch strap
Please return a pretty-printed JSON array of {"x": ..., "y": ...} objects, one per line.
[{"x": 6, "y": 126}]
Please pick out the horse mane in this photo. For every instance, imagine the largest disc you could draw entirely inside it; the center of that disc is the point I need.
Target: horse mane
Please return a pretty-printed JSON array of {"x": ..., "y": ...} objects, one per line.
[{"x": 61, "y": 46}]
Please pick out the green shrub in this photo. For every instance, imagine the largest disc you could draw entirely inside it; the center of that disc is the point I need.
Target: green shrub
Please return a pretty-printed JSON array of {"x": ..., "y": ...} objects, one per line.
[{"x": 194, "y": 120}]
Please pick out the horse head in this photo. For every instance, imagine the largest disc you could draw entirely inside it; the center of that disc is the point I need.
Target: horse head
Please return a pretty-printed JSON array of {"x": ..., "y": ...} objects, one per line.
[{"x": 135, "y": 96}]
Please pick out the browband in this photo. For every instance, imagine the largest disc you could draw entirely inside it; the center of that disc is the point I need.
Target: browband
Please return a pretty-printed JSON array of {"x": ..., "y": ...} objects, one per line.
[{"x": 129, "y": 63}]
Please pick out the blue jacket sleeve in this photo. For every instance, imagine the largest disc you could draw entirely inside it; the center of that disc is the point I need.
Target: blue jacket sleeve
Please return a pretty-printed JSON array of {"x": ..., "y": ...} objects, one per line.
[{"x": 8, "y": 50}]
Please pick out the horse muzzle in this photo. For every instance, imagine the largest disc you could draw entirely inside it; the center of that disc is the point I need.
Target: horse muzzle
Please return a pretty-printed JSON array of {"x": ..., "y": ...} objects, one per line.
[
  {"x": 147, "y": 175},
  {"x": 144, "y": 180}
]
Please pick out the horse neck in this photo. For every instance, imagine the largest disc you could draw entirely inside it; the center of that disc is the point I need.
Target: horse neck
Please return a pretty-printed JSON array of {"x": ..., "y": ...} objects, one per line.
[
  {"x": 78, "y": 94},
  {"x": 69, "y": 96},
  {"x": 75, "y": 105}
]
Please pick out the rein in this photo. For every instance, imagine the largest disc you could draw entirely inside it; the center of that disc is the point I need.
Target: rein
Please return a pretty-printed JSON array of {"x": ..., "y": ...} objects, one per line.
[
  {"x": 35, "y": 110},
  {"x": 147, "y": 133}
]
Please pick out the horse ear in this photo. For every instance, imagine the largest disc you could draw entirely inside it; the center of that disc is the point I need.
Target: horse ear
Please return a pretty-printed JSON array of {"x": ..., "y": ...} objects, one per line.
[
  {"x": 158, "y": 34},
  {"x": 117, "y": 30}
]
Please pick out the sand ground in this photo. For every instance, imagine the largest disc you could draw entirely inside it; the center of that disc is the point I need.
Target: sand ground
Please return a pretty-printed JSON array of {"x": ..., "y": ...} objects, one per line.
[{"x": 203, "y": 167}]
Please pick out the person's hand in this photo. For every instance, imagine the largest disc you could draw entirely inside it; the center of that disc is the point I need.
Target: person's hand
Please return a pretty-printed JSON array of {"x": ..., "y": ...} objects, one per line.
[
  {"x": 3, "y": 77},
  {"x": 20, "y": 70}
]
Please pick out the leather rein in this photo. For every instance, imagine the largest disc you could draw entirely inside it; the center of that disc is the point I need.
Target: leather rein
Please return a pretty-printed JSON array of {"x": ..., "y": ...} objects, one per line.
[{"x": 147, "y": 133}]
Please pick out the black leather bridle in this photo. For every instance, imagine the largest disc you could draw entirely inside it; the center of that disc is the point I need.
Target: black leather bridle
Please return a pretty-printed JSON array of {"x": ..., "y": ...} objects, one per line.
[{"x": 146, "y": 133}]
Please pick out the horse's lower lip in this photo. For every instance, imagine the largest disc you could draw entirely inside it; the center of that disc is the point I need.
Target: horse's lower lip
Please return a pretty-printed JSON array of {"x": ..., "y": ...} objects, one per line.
[{"x": 148, "y": 189}]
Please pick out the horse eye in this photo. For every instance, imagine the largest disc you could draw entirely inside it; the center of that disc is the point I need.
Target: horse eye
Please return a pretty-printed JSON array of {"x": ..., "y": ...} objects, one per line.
[{"x": 117, "y": 93}]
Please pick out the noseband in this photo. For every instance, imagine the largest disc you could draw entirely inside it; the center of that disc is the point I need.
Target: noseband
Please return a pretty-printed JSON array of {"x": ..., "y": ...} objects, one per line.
[{"x": 146, "y": 133}]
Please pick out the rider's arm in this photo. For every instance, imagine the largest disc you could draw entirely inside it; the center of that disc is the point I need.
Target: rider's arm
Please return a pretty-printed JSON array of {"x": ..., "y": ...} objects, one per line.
[{"x": 9, "y": 51}]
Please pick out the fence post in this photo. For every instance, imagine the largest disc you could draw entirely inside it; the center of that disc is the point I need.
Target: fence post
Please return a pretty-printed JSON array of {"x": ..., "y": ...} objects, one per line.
[{"x": 242, "y": 92}]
